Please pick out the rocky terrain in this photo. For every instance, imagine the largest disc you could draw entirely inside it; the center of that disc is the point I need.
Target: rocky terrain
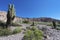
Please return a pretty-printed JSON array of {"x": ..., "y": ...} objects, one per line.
[
  {"x": 18, "y": 36},
  {"x": 19, "y": 19},
  {"x": 49, "y": 33},
  {"x": 3, "y": 17}
]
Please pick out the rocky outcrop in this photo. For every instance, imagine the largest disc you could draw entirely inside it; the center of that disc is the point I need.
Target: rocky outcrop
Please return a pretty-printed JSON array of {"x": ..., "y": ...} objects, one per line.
[
  {"x": 20, "y": 19},
  {"x": 43, "y": 19},
  {"x": 4, "y": 18}
]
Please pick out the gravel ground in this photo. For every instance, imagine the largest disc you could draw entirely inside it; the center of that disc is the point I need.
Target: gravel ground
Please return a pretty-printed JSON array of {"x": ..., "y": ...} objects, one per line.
[
  {"x": 51, "y": 34},
  {"x": 18, "y": 36},
  {"x": 13, "y": 37}
]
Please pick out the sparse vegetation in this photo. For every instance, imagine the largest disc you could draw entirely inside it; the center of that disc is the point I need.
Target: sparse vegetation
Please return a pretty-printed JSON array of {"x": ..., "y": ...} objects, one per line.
[
  {"x": 5, "y": 32},
  {"x": 58, "y": 28},
  {"x": 33, "y": 34},
  {"x": 58, "y": 25},
  {"x": 16, "y": 24},
  {"x": 16, "y": 30},
  {"x": 25, "y": 21},
  {"x": 49, "y": 25},
  {"x": 8, "y": 31}
]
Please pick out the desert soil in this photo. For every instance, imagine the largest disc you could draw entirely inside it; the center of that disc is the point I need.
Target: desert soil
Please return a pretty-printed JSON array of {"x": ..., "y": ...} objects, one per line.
[{"x": 51, "y": 34}]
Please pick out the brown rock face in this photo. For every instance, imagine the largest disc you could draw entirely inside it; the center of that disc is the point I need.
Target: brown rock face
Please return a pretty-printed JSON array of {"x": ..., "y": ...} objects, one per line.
[
  {"x": 3, "y": 16},
  {"x": 20, "y": 19}
]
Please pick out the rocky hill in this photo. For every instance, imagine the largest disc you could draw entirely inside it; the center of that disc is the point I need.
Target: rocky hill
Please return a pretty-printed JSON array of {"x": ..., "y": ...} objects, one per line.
[
  {"x": 43, "y": 19},
  {"x": 19, "y": 19},
  {"x": 4, "y": 18}
]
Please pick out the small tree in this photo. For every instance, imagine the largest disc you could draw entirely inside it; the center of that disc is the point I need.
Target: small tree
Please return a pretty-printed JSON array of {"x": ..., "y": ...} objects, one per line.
[
  {"x": 54, "y": 24},
  {"x": 10, "y": 15}
]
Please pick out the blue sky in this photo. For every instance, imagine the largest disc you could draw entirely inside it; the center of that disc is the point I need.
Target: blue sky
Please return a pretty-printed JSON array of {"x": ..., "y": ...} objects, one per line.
[{"x": 34, "y": 8}]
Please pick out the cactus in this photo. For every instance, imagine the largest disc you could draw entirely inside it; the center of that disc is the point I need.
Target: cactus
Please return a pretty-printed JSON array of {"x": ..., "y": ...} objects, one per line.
[
  {"x": 54, "y": 24},
  {"x": 33, "y": 22},
  {"x": 10, "y": 15}
]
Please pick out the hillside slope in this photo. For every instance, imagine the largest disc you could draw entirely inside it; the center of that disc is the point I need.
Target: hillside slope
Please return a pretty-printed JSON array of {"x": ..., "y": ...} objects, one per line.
[
  {"x": 4, "y": 18},
  {"x": 20, "y": 19}
]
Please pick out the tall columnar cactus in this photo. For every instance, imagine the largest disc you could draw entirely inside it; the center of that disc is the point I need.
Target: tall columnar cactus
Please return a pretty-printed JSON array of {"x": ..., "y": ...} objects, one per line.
[
  {"x": 54, "y": 24},
  {"x": 33, "y": 22},
  {"x": 10, "y": 15}
]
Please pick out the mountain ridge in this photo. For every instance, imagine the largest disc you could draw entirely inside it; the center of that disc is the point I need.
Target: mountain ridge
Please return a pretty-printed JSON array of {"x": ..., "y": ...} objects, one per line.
[{"x": 43, "y": 19}]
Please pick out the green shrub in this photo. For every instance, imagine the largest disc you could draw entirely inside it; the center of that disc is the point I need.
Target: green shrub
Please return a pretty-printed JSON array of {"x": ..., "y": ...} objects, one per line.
[
  {"x": 31, "y": 28},
  {"x": 17, "y": 30},
  {"x": 25, "y": 21},
  {"x": 58, "y": 28},
  {"x": 58, "y": 25},
  {"x": 34, "y": 34},
  {"x": 15, "y": 24},
  {"x": 28, "y": 35},
  {"x": 27, "y": 27},
  {"x": 49, "y": 25},
  {"x": 5, "y": 32}
]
